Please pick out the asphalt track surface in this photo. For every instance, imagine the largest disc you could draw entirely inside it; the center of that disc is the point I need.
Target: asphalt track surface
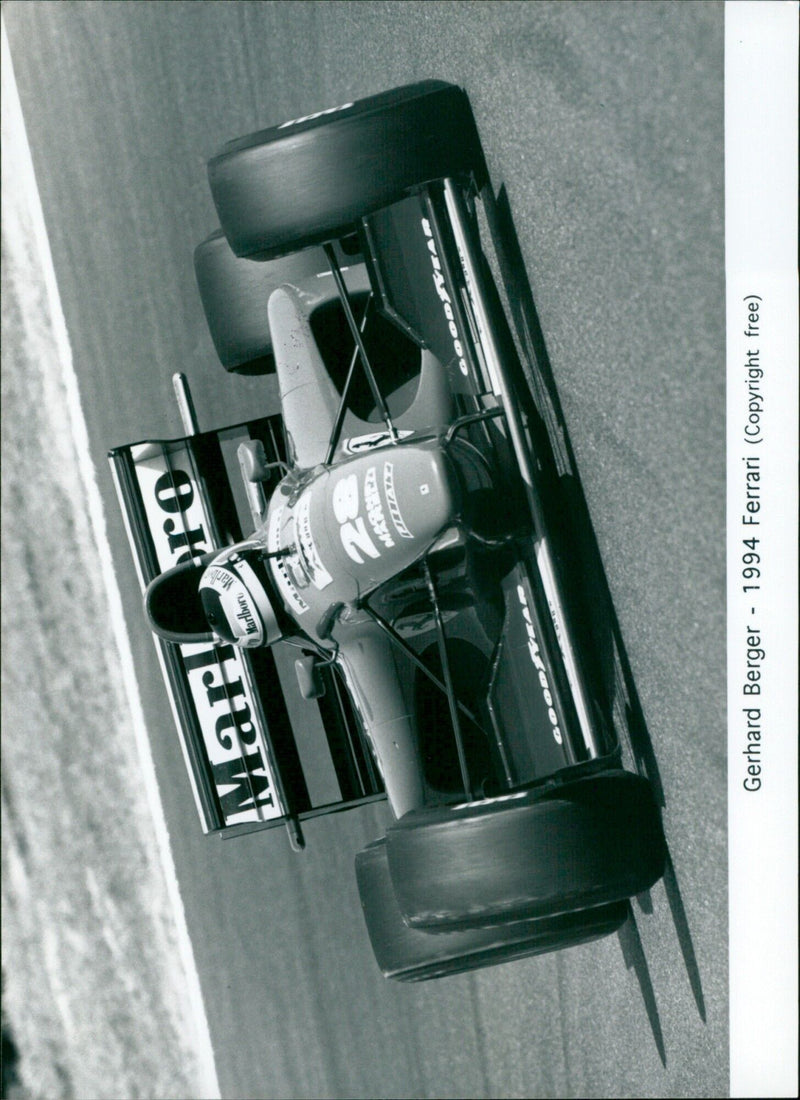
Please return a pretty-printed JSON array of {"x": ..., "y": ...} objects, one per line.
[{"x": 605, "y": 124}]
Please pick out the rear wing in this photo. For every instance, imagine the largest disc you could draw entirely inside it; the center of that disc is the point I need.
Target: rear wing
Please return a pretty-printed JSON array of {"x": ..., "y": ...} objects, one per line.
[{"x": 258, "y": 754}]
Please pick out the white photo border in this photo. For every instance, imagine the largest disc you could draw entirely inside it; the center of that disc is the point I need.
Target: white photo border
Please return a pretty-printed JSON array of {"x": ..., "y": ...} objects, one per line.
[{"x": 761, "y": 87}]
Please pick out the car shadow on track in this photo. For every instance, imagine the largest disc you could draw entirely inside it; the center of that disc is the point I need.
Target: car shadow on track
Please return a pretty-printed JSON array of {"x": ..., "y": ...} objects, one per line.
[{"x": 593, "y": 613}]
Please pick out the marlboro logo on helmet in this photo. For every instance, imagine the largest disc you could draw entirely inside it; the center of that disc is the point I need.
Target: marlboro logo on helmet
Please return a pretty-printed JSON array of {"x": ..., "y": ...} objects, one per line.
[{"x": 235, "y": 598}]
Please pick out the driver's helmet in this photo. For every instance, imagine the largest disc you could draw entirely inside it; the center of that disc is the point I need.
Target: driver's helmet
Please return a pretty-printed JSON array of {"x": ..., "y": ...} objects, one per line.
[{"x": 234, "y": 590}]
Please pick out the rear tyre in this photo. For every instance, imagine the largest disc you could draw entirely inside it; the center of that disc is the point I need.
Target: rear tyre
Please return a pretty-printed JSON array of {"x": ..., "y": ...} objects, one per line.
[
  {"x": 411, "y": 955},
  {"x": 311, "y": 179},
  {"x": 592, "y": 841}
]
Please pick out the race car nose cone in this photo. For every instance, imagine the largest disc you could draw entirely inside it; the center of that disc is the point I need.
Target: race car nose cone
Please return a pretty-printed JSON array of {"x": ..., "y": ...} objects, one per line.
[
  {"x": 385, "y": 509},
  {"x": 419, "y": 491}
]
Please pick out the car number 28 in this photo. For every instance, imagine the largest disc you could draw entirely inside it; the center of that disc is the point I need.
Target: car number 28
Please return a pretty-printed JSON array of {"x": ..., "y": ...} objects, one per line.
[{"x": 352, "y": 528}]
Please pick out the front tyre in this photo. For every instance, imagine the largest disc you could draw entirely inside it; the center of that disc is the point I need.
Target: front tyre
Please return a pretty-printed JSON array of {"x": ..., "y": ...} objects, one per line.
[
  {"x": 537, "y": 853},
  {"x": 311, "y": 179},
  {"x": 235, "y": 294},
  {"x": 409, "y": 954}
]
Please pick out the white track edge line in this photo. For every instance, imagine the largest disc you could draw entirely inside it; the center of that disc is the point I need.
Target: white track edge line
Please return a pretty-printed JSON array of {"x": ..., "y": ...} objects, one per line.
[{"x": 23, "y": 166}]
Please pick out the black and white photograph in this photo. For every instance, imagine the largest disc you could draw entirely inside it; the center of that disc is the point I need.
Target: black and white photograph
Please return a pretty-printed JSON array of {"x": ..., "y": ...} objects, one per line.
[{"x": 366, "y": 533}]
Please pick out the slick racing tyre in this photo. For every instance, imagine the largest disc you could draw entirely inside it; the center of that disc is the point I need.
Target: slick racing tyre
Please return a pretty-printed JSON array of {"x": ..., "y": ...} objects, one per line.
[
  {"x": 537, "y": 853},
  {"x": 309, "y": 180},
  {"x": 235, "y": 293},
  {"x": 412, "y": 955}
]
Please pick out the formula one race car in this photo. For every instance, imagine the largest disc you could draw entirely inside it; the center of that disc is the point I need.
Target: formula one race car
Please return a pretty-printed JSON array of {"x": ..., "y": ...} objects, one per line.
[{"x": 407, "y": 617}]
